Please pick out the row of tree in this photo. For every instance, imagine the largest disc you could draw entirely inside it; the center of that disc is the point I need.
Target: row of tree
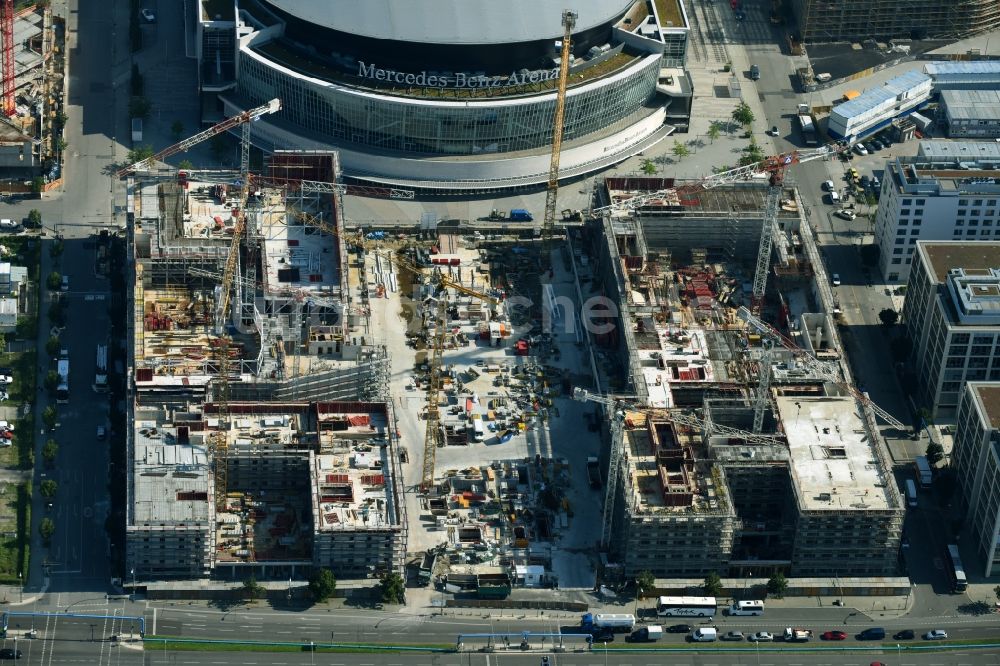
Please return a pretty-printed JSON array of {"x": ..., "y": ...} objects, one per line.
[
  {"x": 323, "y": 585},
  {"x": 776, "y": 584}
]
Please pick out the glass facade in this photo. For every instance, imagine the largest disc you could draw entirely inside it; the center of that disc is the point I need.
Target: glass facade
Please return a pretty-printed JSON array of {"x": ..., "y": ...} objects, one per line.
[{"x": 365, "y": 119}]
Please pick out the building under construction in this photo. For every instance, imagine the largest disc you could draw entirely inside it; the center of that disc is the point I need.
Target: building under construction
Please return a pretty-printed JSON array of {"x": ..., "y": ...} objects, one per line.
[
  {"x": 742, "y": 447},
  {"x": 820, "y": 21},
  {"x": 290, "y": 463}
]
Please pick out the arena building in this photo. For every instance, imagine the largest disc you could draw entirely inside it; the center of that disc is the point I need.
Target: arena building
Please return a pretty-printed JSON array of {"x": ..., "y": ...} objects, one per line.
[{"x": 448, "y": 95}]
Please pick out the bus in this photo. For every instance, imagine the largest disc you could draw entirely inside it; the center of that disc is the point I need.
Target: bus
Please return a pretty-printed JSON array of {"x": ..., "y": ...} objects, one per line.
[
  {"x": 752, "y": 607},
  {"x": 686, "y": 606},
  {"x": 959, "y": 583}
]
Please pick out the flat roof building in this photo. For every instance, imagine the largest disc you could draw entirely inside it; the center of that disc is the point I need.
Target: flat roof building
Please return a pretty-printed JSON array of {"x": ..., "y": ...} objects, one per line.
[
  {"x": 970, "y": 114},
  {"x": 875, "y": 108},
  {"x": 957, "y": 75},
  {"x": 976, "y": 458},
  {"x": 948, "y": 191},
  {"x": 952, "y": 317}
]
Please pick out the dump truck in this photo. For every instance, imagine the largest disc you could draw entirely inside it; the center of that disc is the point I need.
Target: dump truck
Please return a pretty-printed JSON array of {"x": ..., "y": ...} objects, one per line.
[
  {"x": 797, "y": 635},
  {"x": 493, "y": 586},
  {"x": 594, "y": 472},
  {"x": 515, "y": 215}
]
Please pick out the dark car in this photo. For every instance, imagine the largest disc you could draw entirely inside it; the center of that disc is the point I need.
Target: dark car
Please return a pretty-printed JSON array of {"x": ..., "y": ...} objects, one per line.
[
  {"x": 679, "y": 629},
  {"x": 9, "y": 653},
  {"x": 872, "y": 634},
  {"x": 865, "y": 181},
  {"x": 904, "y": 635},
  {"x": 886, "y": 140},
  {"x": 754, "y": 72},
  {"x": 603, "y": 636},
  {"x": 869, "y": 146}
]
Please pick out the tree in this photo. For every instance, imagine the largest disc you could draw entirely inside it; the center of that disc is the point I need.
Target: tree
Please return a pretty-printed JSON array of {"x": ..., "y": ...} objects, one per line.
[
  {"x": 888, "y": 316},
  {"x": 648, "y": 167},
  {"x": 26, "y": 328},
  {"x": 777, "y": 584},
  {"x": 49, "y": 451},
  {"x": 712, "y": 585},
  {"x": 52, "y": 346},
  {"x": 51, "y": 381},
  {"x": 53, "y": 281},
  {"x": 56, "y": 248},
  {"x": 714, "y": 130},
  {"x": 680, "y": 150},
  {"x": 139, "y": 107},
  {"x": 644, "y": 582},
  {"x": 393, "y": 589},
  {"x": 59, "y": 120},
  {"x": 139, "y": 153},
  {"x": 185, "y": 164},
  {"x": 48, "y": 488},
  {"x": 49, "y": 417},
  {"x": 46, "y": 528},
  {"x": 34, "y": 218},
  {"x": 61, "y": 145},
  {"x": 934, "y": 453},
  {"x": 176, "y": 130},
  {"x": 752, "y": 153},
  {"x": 37, "y": 185},
  {"x": 322, "y": 584},
  {"x": 743, "y": 115},
  {"x": 252, "y": 589},
  {"x": 996, "y": 591},
  {"x": 57, "y": 313}
]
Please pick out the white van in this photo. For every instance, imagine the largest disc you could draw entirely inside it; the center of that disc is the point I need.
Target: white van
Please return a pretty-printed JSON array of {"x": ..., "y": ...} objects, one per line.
[
  {"x": 754, "y": 607},
  {"x": 8, "y": 225},
  {"x": 823, "y": 78},
  {"x": 705, "y": 635}
]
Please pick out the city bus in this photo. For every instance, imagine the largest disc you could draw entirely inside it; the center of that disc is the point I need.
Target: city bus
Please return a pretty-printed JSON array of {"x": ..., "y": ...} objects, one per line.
[
  {"x": 686, "y": 606},
  {"x": 959, "y": 583}
]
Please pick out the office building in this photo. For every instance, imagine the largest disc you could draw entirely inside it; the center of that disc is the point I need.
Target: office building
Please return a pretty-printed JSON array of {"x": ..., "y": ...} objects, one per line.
[
  {"x": 822, "y": 21},
  {"x": 959, "y": 75},
  {"x": 952, "y": 318},
  {"x": 975, "y": 456},
  {"x": 876, "y": 108},
  {"x": 970, "y": 114},
  {"x": 948, "y": 191},
  {"x": 448, "y": 95}
]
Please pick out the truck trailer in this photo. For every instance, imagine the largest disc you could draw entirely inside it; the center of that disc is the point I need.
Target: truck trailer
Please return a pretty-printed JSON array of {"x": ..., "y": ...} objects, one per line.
[
  {"x": 62, "y": 368},
  {"x": 612, "y": 621},
  {"x": 101, "y": 370},
  {"x": 808, "y": 129}
]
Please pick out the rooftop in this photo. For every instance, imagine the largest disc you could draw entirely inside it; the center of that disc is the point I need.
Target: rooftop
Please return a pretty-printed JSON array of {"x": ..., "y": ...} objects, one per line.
[
  {"x": 946, "y": 67},
  {"x": 989, "y": 396},
  {"x": 972, "y": 104},
  {"x": 832, "y": 458},
  {"x": 872, "y": 98},
  {"x": 172, "y": 475},
  {"x": 670, "y": 13},
  {"x": 942, "y": 256},
  {"x": 932, "y": 150},
  {"x": 296, "y": 258},
  {"x": 218, "y": 10}
]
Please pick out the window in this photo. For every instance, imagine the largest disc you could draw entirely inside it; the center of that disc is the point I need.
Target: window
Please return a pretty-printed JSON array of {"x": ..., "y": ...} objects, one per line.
[
  {"x": 991, "y": 202},
  {"x": 974, "y": 211},
  {"x": 900, "y": 241},
  {"x": 987, "y": 223},
  {"x": 963, "y": 202},
  {"x": 914, "y": 232},
  {"x": 960, "y": 338},
  {"x": 955, "y": 363},
  {"x": 898, "y": 250},
  {"x": 970, "y": 232},
  {"x": 917, "y": 222},
  {"x": 950, "y": 386},
  {"x": 973, "y": 223},
  {"x": 959, "y": 223},
  {"x": 961, "y": 213},
  {"x": 909, "y": 250},
  {"x": 901, "y": 232},
  {"x": 903, "y": 223},
  {"x": 894, "y": 276},
  {"x": 981, "y": 350},
  {"x": 905, "y": 211},
  {"x": 978, "y": 202},
  {"x": 906, "y": 202},
  {"x": 913, "y": 241},
  {"x": 919, "y": 211}
]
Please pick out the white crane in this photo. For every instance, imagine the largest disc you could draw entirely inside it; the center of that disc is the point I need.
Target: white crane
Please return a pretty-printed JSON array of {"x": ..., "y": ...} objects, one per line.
[
  {"x": 774, "y": 169},
  {"x": 814, "y": 365},
  {"x": 617, "y": 406}
]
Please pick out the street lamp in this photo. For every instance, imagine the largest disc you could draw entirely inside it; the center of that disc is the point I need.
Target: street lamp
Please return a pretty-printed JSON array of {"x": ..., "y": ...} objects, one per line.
[{"x": 20, "y": 585}]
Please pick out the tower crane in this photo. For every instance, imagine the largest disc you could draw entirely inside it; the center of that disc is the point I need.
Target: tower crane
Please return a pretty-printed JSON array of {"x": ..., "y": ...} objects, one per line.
[
  {"x": 443, "y": 282},
  {"x": 229, "y": 123},
  {"x": 7, "y": 34},
  {"x": 551, "y": 194},
  {"x": 774, "y": 167},
  {"x": 809, "y": 361},
  {"x": 617, "y": 406}
]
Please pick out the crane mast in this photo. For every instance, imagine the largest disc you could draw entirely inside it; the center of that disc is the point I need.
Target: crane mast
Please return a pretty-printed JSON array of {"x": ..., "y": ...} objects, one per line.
[{"x": 552, "y": 193}]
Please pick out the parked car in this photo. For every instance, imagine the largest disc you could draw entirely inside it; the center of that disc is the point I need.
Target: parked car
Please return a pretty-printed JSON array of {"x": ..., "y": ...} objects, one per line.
[
  {"x": 828, "y": 186},
  {"x": 865, "y": 180},
  {"x": 936, "y": 635},
  {"x": 679, "y": 629},
  {"x": 754, "y": 73},
  {"x": 846, "y": 214},
  {"x": 604, "y": 635},
  {"x": 886, "y": 140},
  {"x": 860, "y": 149},
  {"x": 101, "y": 432},
  {"x": 732, "y": 636},
  {"x": 147, "y": 15},
  {"x": 869, "y": 147},
  {"x": 835, "y": 279},
  {"x": 760, "y": 637},
  {"x": 872, "y": 634},
  {"x": 878, "y": 144},
  {"x": 854, "y": 174},
  {"x": 834, "y": 636},
  {"x": 10, "y": 653},
  {"x": 875, "y": 183},
  {"x": 773, "y": 131},
  {"x": 739, "y": 15},
  {"x": 904, "y": 635},
  {"x": 65, "y": 283}
]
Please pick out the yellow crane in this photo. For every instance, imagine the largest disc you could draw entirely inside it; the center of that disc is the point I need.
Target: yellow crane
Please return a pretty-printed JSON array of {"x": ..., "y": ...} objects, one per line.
[
  {"x": 443, "y": 282},
  {"x": 551, "y": 195}
]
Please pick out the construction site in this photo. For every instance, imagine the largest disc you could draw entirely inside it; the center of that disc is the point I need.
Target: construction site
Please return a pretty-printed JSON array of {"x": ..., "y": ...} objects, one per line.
[{"x": 468, "y": 409}]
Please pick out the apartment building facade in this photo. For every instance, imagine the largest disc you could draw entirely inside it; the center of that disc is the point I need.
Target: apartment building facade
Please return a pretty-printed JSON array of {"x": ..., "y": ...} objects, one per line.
[
  {"x": 976, "y": 457},
  {"x": 952, "y": 317}
]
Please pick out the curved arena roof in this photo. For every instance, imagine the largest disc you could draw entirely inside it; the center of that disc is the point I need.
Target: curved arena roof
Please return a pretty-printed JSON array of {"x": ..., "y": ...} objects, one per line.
[{"x": 452, "y": 21}]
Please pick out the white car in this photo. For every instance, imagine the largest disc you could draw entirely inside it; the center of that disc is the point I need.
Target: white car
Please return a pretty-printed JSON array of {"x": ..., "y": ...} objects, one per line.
[
  {"x": 936, "y": 635},
  {"x": 860, "y": 150},
  {"x": 6, "y": 379},
  {"x": 147, "y": 15},
  {"x": 760, "y": 637},
  {"x": 847, "y": 214},
  {"x": 835, "y": 280},
  {"x": 828, "y": 186}
]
